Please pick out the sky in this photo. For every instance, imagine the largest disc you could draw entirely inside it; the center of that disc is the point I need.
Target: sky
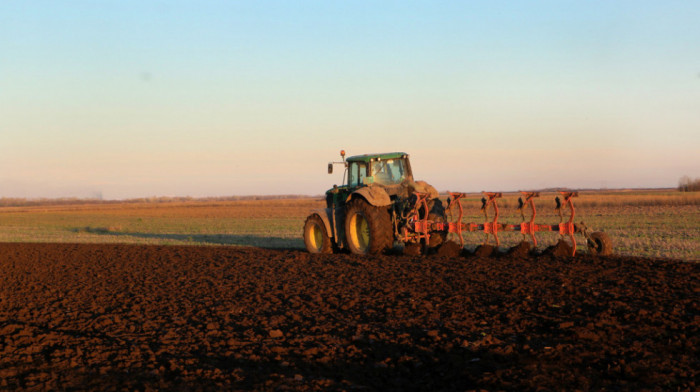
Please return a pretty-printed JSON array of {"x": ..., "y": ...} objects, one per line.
[{"x": 125, "y": 99}]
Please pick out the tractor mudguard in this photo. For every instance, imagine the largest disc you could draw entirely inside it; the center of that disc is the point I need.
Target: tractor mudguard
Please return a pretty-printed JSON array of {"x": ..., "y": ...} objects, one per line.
[
  {"x": 375, "y": 195},
  {"x": 423, "y": 187},
  {"x": 325, "y": 215}
]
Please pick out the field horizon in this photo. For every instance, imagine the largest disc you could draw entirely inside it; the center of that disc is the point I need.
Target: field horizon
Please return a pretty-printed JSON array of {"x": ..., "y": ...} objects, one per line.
[
  {"x": 38, "y": 201},
  {"x": 652, "y": 223}
]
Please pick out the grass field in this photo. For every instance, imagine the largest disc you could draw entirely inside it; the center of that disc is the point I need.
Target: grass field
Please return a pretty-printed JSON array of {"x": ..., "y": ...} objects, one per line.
[{"x": 641, "y": 223}]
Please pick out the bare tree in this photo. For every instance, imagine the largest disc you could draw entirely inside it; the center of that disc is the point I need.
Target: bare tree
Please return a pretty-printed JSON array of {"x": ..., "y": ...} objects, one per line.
[{"x": 686, "y": 184}]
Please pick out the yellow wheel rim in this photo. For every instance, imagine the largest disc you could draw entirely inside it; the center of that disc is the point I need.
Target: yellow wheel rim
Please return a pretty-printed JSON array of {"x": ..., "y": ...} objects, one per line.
[
  {"x": 359, "y": 232},
  {"x": 316, "y": 237}
]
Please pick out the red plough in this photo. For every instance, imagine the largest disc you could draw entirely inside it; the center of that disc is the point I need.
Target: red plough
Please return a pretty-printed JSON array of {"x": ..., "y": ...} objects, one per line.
[{"x": 423, "y": 228}]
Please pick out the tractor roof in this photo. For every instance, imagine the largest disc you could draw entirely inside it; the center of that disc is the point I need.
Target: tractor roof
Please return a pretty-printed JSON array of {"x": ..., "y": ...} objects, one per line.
[{"x": 370, "y": 157}]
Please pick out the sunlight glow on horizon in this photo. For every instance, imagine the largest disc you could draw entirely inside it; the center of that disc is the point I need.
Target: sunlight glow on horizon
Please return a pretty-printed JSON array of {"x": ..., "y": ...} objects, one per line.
[{"x": 137, "y": 99}]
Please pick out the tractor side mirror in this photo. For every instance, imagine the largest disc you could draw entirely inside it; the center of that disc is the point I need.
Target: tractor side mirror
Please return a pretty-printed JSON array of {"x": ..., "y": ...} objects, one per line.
[{"x": 330, "y": 168}]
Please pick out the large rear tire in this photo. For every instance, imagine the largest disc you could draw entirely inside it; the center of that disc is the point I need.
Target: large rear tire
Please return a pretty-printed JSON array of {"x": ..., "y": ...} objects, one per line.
[
  {"x": 600, "y": 244},
  {"x": 316, "y": 237},
  {"x": 368, "y": 229}
]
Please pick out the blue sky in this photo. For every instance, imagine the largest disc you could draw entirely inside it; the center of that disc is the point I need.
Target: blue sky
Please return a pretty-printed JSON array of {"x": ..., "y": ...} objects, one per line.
[{"x": 138, "y": 98}]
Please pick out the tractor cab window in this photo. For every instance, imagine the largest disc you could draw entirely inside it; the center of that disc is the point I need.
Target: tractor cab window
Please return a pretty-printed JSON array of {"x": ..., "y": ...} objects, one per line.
[
  {"x": 390, "y": 171},
  {"x": 357, "y": 173}
]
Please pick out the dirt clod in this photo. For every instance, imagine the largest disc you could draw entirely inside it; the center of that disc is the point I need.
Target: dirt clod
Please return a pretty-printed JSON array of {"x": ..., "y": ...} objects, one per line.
[
  {"x": 560, "y": 249},
  {"x": 412, "y": 249},
  {"x": 484, "y": 251},
  {"x": 520, "y": 250},
  {"x": 449, "y": 249}
]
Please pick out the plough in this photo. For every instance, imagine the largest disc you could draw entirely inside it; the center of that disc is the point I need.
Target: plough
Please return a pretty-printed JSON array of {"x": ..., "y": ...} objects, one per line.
[{"x": 423, "y": 228}]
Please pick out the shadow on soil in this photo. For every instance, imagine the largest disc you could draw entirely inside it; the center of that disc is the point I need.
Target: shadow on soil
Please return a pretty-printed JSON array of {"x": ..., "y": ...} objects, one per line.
[
  {"x": 438, "y": 371},
  {"x": 442, "y": 371},
  {"x": 216, "y": 239}
]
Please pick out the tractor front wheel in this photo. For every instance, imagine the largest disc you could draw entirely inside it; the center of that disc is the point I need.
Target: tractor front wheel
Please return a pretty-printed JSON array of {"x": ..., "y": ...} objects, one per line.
[
  {"x": 316, "y": 237},
  {"x": 600, "y": 244},
  {"x": 368, "y": 229}
]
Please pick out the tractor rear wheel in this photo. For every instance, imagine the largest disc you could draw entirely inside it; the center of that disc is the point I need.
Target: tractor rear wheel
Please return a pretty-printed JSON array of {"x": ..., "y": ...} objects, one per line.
[
  {"x": 600, "y": 244},
  {"x": 316, "y": 237},
  {"x": 368, "y": 229}
]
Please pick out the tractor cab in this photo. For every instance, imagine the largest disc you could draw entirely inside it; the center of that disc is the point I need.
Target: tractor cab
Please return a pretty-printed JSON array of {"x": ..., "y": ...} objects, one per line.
[
  {"x": 381, "y": 169},
  {"x": 378, "y": 177}
]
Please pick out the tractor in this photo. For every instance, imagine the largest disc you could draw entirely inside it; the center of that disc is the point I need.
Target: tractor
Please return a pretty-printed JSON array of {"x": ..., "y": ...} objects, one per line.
[{"x": 381, "y": 204}]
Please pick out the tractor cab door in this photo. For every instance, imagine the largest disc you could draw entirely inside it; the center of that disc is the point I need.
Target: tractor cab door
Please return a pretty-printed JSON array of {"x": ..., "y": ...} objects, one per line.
[{"x": 357, "y": 174}]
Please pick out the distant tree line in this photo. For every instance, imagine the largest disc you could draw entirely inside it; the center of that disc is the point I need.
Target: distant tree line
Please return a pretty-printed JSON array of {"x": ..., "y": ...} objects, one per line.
[
  {"x": 686, "y": 184},
  {"x": 21, "y": 202}
]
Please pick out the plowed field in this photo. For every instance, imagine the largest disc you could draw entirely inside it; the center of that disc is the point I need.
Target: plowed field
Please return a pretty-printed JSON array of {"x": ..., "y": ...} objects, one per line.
[{"x": 116, "y": 317}]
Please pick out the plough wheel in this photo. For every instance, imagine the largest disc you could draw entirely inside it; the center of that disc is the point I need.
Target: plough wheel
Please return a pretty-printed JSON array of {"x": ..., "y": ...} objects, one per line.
[
  {"x": 316, "y": 237},
  {"x": 600, "y": 244},
  {"x": 367, "y": 228}
]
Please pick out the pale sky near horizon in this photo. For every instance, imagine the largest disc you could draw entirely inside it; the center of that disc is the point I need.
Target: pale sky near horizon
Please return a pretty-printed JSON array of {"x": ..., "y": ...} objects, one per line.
[{"x": 181, "y": 98}]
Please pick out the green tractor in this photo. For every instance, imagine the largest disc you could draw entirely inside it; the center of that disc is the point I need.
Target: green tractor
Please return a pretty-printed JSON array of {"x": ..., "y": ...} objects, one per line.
[{"x": 374, "y": 209}]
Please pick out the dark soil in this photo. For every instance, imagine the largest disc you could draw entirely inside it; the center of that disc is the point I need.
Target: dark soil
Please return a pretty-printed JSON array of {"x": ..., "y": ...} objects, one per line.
[
  {"x": 521, "y": 250},
  {"x": 450, "y": 249},
  {"x": 120, "y": 317},
  {"x": 561, "y": 249},
  {"x": 413, "y": 249},
  {"x": 485, "y": 250}
]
